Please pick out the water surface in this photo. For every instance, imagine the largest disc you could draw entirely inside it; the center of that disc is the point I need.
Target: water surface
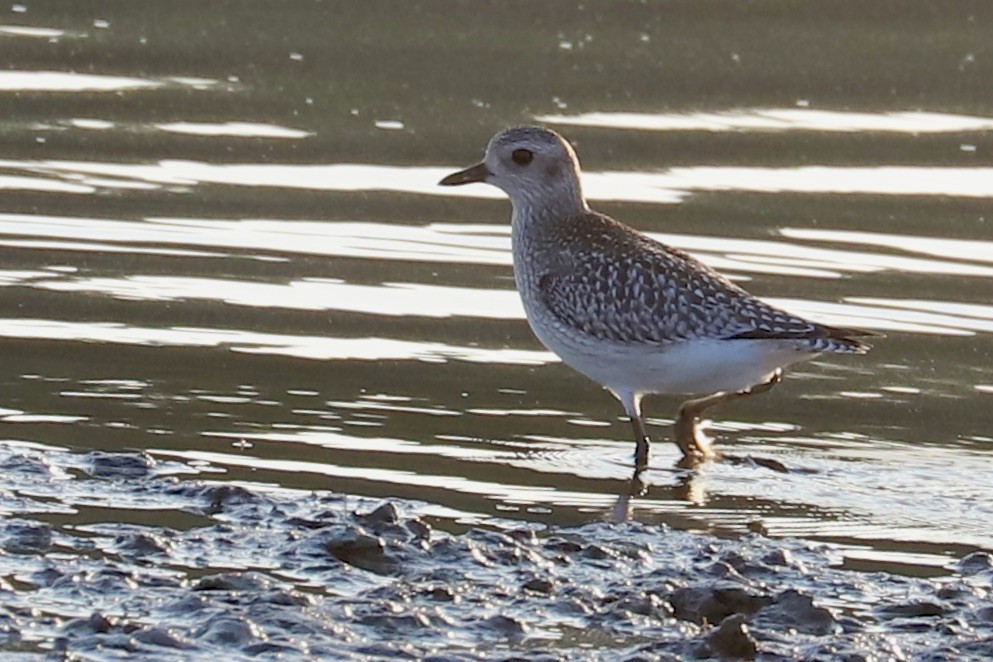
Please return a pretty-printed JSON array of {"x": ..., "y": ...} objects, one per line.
[{"x": 224, "y": 245}]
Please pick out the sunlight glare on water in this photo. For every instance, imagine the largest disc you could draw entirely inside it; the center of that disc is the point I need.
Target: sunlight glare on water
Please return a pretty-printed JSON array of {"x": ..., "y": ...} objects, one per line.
[
  {"x": 61, "y": 81},
  {"x": 321, "y": 348},
  {"x": 779, "y": 119},
  {"x": 670, "y": 186},
  {"x": 201, "y": 253}
]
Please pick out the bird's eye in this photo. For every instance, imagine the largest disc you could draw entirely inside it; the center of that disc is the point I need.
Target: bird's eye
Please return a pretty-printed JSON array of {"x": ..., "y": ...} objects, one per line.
[{"x": 522, "y": 157}]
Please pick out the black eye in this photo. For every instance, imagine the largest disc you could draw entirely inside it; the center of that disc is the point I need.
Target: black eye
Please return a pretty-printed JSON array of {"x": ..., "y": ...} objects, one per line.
[{"x": 522, "y": 157}]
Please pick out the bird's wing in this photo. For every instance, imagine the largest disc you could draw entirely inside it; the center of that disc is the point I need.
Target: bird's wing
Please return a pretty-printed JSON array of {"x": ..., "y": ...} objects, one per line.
[{"x": 612, "y": 284}]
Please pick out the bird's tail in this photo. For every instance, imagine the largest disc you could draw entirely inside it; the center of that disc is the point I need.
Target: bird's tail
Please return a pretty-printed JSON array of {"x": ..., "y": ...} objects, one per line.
[{"x": 845, "y": 340}]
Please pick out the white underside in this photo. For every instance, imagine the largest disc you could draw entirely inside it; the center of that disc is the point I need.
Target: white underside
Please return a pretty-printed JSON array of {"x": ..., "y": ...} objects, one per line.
[
  {"x": 689, "y": 367},
  {"x": 692, "y": 367}
]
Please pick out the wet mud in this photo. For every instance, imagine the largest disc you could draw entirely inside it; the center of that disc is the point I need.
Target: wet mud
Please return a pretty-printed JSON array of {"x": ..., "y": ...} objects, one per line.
[{"x": 207, "y": 569}]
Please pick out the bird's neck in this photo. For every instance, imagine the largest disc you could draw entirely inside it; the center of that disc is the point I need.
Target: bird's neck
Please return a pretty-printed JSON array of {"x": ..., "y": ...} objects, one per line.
[
  {"x": 534, "y": 227},
  {"x": 532, "y": 212}
]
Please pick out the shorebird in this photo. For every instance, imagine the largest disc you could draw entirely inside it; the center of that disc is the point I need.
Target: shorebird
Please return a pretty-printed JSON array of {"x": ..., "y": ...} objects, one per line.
[{"x": 633, "y": 314}]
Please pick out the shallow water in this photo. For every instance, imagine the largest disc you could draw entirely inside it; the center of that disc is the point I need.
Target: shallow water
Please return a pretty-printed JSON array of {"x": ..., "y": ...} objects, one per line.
[{"x": 223, "y": 244}]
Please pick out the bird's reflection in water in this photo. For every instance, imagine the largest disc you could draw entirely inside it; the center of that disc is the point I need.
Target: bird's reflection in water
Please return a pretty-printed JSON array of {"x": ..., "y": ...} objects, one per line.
[{"x": 691, "y": 484}]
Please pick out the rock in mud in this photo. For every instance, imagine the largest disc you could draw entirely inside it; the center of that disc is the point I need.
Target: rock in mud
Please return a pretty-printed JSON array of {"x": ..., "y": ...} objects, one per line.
[
  {"x": 919, "y": 609},
  {"x": 27, "y": 537},
  {"x": 975, "y": 563},
  {"x": 731, "y": 640},
  {"x": 26, "y": 465},
  {"x": 539, "y": 585},
  {"x": 384, "y": 514},
  {"x": 119, "y": 465},
  {"x": 715, "y": 603},
  {"x": 143, "y": 544},
  {"x": 230, "y": 631},
  {"x": 360, "y": 549},
  {"x": 247, "y": 582},
  {"x": 441, "y": 593},
  {"x": 792, "y": 609},
  {"x": 507, "y": 626},
  {"x": 220, "y": 497},
  {"x": 162, "y": 637}
]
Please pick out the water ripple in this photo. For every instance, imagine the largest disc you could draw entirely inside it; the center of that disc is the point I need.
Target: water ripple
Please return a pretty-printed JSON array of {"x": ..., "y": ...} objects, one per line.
[
  {"x": 70, "y": 81},
  {"x": 249, "y": 342},
  {"x": 670, "y": 186},
  {"x": 434, "y": 301},
  {"x": 779, "y": 119},
  {"x": 483, "y": 244}
]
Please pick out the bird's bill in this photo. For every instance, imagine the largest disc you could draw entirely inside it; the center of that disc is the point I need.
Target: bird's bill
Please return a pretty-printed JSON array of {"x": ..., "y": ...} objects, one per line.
[{"x": 477, "y": 173}]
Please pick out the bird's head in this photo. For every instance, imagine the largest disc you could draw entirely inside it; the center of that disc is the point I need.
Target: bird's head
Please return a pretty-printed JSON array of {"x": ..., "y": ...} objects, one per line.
[{"x": 535, "y": 167}]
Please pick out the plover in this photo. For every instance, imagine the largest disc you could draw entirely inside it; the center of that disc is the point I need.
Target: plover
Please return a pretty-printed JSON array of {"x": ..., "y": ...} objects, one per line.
[{"x": 629, "y": 312}]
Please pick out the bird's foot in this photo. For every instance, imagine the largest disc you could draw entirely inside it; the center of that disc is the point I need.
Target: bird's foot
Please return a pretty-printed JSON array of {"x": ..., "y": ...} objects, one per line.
[
  {"x": 696, "y": 446},
  {"x": 691, "y": 439},
  {"x": 765, "y": 386}
]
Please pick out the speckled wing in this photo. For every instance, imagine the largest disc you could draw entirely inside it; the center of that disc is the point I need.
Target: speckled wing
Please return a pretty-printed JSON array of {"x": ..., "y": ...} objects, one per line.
[{"x": 610, "y": 282}]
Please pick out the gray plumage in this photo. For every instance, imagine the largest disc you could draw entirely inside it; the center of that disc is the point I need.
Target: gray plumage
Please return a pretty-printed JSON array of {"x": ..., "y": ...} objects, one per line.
[
  {"x": 629, "y": 312},
  {"x": 611, "y": 282}
]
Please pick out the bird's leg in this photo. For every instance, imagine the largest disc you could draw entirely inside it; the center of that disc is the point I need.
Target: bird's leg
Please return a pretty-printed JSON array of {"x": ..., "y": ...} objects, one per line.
[
  {"x": 689, "y": 437},
  {"x": 632, "y": 407},
  {"x": 641, "y": 441}
]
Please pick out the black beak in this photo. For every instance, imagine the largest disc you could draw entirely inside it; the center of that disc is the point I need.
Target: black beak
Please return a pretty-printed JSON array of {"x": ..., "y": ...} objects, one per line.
[{"x": 477, "y": 173}]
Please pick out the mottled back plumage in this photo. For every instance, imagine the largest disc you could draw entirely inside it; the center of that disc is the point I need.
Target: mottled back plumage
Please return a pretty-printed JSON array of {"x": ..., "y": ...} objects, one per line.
[{"x": 608, "y": 281}]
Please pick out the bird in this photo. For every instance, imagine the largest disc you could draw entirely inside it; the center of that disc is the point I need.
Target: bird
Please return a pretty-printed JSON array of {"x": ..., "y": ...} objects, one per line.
[{"x": 633, "y": 314}]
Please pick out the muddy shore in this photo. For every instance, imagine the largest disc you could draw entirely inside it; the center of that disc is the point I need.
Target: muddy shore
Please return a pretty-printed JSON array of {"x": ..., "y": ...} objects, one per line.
[{"x": 259, "y": 572}]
